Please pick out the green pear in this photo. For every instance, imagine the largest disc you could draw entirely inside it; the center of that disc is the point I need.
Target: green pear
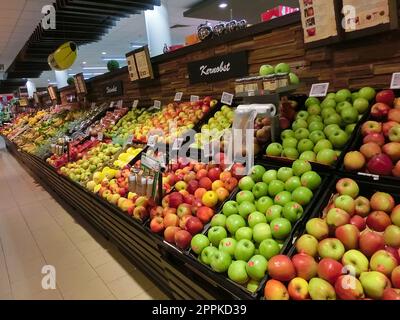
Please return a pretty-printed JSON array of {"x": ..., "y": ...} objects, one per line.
[
  {"x": 320, "y": 289},
  {"x": 374, "y": 283}
]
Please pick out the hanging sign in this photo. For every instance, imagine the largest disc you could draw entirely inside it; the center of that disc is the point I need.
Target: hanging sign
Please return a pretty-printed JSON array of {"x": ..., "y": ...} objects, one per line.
[
  {"x": 139, "y": 64},
  {"x": 80, "y": 85},
  {"x": 219, "y": 68}
]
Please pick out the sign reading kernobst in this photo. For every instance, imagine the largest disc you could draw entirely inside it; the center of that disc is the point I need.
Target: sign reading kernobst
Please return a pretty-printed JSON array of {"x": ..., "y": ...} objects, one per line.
[{"x": 219, "y": 68}]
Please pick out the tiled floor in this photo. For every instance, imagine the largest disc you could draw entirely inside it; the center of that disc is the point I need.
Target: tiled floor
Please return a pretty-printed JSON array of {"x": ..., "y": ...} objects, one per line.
[{"x": 36, "y": 231}]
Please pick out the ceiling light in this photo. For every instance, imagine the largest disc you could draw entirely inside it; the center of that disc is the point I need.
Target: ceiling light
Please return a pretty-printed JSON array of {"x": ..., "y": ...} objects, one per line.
[
  {"x": 94, "y": 68},
  {"x": 48, "y": 80},
  {"x": 223, "y": 5},
  {"x": 104, "y": 53},
  {"x": 84, "y": 62},
  {"x": 116, "y": 59}
]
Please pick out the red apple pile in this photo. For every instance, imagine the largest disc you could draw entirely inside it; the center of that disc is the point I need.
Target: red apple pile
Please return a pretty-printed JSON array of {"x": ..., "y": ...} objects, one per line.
[
  {"x": 380, "y": 151},
  {"x": 351, "y": 253},
  {"x": 200, "y": 188}
]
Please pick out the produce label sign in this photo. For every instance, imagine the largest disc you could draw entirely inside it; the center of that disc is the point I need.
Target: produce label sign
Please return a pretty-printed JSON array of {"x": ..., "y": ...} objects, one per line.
[
  {"x": 319, "y": 90},
  {"x": 114, "y": 89},
  {"x": 318, "y": 19},
  {"x": 219, "y": 68},
  {"x": 178, "y": 96},
  {"x": 395, "y": 83}
]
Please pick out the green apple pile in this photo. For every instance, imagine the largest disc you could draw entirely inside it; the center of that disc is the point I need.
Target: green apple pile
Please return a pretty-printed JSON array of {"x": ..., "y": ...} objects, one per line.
[
  {"x": 215, "y": 127},
  {"x": 266, "y": 70},
  {"x": 97, "y": 157},
  {"x": 319, "y": 133},
  {"x": 127, "y": 123},
  {"x": 251, "y": 230}
]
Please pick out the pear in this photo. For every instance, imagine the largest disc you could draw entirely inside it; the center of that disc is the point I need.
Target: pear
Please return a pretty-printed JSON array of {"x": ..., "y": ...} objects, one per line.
[{"x": 374, "y": 283}]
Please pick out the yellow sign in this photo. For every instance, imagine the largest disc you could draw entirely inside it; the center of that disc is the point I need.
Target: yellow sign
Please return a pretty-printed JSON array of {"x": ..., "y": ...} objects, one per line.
[{"x": 64, "y": 57}]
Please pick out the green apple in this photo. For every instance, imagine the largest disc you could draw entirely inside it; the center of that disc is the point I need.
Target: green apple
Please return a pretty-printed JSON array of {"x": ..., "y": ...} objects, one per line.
[
  {"x": 199, "y": 243},
  {"x": 325, "y": 113},
  {"x": 237, "y": 272},
  {"x": 274, "y": 212},
  {"x": 356, "y": 260},
  {"x": 367, "y": 93},
  {"x": 244, "y": 250},
  {"x": 327, "y": 157},
  {"x": 355, "y": 96},
  {"x": 257, "y": 173},
  {"x": 228, "y": 245},
  {"x": 253, "y": 285},
  {"x": 257, "y": 267},
  {"x": 284, "y": 174},
  {"x": 244, "y": 233},
  {"x": 220, "y": 261},
  {"x": 383, "y": 261},
  {"x": 244, "y": 196},
  {"x": 256, "y": 218},
  {"x": 269, "y": 248},
  {"x": 308, "y": 156},
  {"x": 317, "y": 228},
  {"x": 314, "y": 118},
  {"x": 230, "y": 208},
  {"x": 343, "y": 106},
  {"x": 292, "y": 211},
  {"x": 329, "y": 129},
  {"x": 310, "y": 101},
  {"x": 290, "y": 153},
  {"x": 315, "y": 109},
  {"x": 289, "y": 143},
  {"x": 301, "y": 133},
  {"x": 350, "y": 128},
  {"x": 333, "y": 118},
  {"x": 302, "y": 115},
  {"x": 316, "y": 126},
  {"x": 299, "y": 124},
  {"x": 302, "y": 195},
  {"x": 274, "y": 150},
  {"x": 260, "y": 189},
  {"x": 305, "y": 145},
  {"x": 322, "y": 145},
  {"x": 361, "y": 105},
  {"x": 207, "y": 254},
  {"x": 246, "y": 183},
  {"x": 300, "y": 167},
  {"x": 374, "y": 283},
  {"x": 266, "y": 70},
  {"x": 216, "y": 234},
  {"x": 282, "y": 198},
  {"x": 280, "y": 228},
  {"x": 292, "y": 183},
  {"x": 331, "y": 248},
  {"x": 288, "y": 133},
  {"x": 275, "y": 187},
  {"x": 245, "y": 208},
  {"x": 307, "y": 244},
  {"x": 349, "y": 115},
  {"x": 328, "y": 103},
  {"x": 331, "y": 95},
  {"x": 263, "y": 204},
  {"x": 282, "y": 68},
  {"x": 261, "y": 232},
  {"x": 311, "y": 180},
  {"x": 218, "y": 220},
  {"x": 343, "y": 95},
  {"x": 269, "y": 176},
  {"x": 320, "y": 289},
  {"x": 294, "y": 79}
]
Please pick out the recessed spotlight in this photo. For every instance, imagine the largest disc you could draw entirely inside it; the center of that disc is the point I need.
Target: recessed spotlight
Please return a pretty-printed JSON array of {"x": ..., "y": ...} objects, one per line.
[
  {"x": 48, "y": 80},
  {"x": 84, "y": 62},
  {"x": 104, "y": 53},
  {"x": 223, "y": 5}
]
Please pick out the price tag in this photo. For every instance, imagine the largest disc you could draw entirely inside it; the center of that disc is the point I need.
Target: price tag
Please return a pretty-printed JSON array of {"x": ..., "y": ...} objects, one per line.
[
  {"x": 177, "y": 144},
  {"x": 92, "y": 105},
  {"x": 111, "y": 104},
  {"x": 251, "y": 93},
  {"x": 119, "y": 104},
  {"x": 135, "y": 104},
  {"x": 227, "y": 98},
  {"x": 150, "y": 163},
  {"x": 151, "y": 141},
  {"x": 100, "y": 136},
  {"x": 319, "y": 90},
  {"x": 375, "y": 177},
  {"x": 178, "y": 96},
  {"x": 157, "y": 104},
  {"x": 128, "y": 140},
  {"x": 395, "y": 83},
  {"x": 194, "y": 98},
  {"x": 208, "y": 150}
]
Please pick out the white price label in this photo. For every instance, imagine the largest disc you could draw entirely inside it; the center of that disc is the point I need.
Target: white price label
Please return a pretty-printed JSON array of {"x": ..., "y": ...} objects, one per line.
[
  {"x": 111, "y": 104},
  {"x": 119, "y": 104},
  {"x": 227, "y": 98},
  {"x": 128, "y": 140},
  {"x": 177, "y": 144},
  {"x": 135, "y": 104},
  {"x": 208, "y": 150},
  {"x": 395, "y": 83},
  {"x": 251, "y": 93},
  {"x": 194, "y": 98},
  {"x": 319, "y": 90},
  {"x": 157, "y": 104},
  {"x": 92, "y": 105},
  {"x": 100, "y": 136},
  {"x": 150, "y": 163},
  {"x": 151, "y": 141},
  {"x": 178, "y": 96}
]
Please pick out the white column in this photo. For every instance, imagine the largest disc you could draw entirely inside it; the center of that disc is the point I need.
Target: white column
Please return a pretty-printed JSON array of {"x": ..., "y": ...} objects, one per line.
[
  {"x": 157, "y": 28},
  {"x": 61, "y": 78},
  {"x": 31, "y": 87}
]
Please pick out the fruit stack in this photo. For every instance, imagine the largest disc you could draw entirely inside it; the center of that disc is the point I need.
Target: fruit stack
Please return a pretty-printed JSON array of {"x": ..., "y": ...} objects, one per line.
[
  {"x": 109, "y": 120},
  {"x": 321, "y": 132},
  {"x": 380, "y": 148},
  {"x": 351, "y": 253},
  {"x": 255, "y": 227},
  {"x": 200, "y": 189}
]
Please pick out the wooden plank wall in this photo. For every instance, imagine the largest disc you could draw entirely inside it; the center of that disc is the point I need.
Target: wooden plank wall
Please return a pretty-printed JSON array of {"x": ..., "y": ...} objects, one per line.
[{"x": 354, "y": 64}]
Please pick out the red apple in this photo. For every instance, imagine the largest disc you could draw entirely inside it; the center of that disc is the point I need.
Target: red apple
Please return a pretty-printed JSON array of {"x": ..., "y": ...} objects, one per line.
[
  {"x": 205, "y": 183},
  {"x": 183, "y": 220},
  {"x": 387, "y": 126},
  {"x": 298, "y": 289},
  {"x": 359, "y": 222},
  {"x": 305, "y": 265},
  {"x": 169, "y": 234},
  {"x": 238, "y": 170},
  {"x": 201, "y": 173},
  {"x": 394, "y": 115},
  {"x": 378, "y": 138},
  {"x": 175, "y": 199},
  {"x": 348, "y": 287},
  {"x": 205, "y": 214},
  {"x": 362, "y": 206},
  {"x": 157, "y": 224},
  {"x": 395, "y": 252},
  {"x": 171, "y": 220},
  {"x": 214, "y": 174},
  {"x": 184, "y": 209},
  {"x": 395, "y": 277},
  {"x": 370, "y": 150},
  {"x": 348, "y": 235},
  {"x": 382, "y": 201},
  {"x": 392, "y": 149},
  {"x": 385, "y": 96},
  {"x": 329, "y": 270},
  {"x": 194, "y": 225},
  {"x": 275, "y": 290},
  {"x": 380, "y": 110},
  {"x": 156, "y": 212},
  {"x": 378, "y": 221},
  {"x": 396, "y": 169},
  {"x": 281, "y": 268},
  {"x": 380, "y": 165},
  {"x": 391, "y": 294},
  {"x": 189, "y": 199},
  {"x": 370, "y": 242},
  {"x": 371, "y": 127},
  {"x": 182, "y": 239}
]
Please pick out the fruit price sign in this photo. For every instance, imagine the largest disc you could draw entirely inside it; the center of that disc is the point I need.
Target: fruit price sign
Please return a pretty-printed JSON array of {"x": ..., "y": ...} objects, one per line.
[
  {"x": 194, "y": 98},
  {"x": 178, "y": 96},
  {"x": 135, "y": 104},
  {"x": 319, "y": 90},
  {"x": 177, "y": 144},
  {"x": 151, "y": 141},
  {"x": 100, "y": 136},
  {"x": 227, "y": 98},
  {"x": 395, "y": 83}
]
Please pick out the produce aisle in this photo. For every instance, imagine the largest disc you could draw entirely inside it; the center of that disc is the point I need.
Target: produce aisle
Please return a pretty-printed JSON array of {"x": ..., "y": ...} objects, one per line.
[{"x": 36, "y": 231}]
